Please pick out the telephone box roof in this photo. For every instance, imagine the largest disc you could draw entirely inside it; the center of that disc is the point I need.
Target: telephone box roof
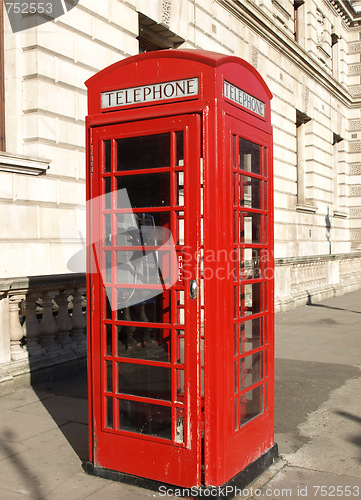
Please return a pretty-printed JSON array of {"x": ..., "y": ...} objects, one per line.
[{"x": 205, "y": 57}]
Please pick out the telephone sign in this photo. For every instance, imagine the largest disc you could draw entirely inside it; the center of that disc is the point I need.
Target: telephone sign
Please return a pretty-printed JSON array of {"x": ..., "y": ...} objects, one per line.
[{"x": 181, "y": 349}]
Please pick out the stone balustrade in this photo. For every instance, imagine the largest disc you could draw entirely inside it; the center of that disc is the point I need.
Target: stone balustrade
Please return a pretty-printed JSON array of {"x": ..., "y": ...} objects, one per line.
[
  {"x": 303, "y": 279},
  {"x": 42, "y": 327}
]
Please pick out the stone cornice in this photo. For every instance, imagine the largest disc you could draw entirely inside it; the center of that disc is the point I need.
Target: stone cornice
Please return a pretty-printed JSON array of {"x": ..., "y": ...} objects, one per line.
[
  {"x": 265, "y": 27},
  {"x": 347, "y": 12}
]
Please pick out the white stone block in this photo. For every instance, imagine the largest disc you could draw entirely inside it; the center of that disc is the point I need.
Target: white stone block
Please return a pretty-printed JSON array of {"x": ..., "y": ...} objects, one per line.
[
  {"x": 38, "y": 189},
  {"x": 72, "y": 192},
  {"x": 6, "y": 185},
  {"x": 17, "y": 222}
]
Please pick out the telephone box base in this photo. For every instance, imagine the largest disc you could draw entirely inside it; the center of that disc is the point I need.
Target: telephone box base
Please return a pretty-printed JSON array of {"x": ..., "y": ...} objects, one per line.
[{"x": 227, "y": 490}]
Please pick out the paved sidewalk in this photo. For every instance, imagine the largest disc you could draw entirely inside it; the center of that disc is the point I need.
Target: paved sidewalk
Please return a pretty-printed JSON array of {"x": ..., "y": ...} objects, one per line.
[{"x": 43, "y": 429}]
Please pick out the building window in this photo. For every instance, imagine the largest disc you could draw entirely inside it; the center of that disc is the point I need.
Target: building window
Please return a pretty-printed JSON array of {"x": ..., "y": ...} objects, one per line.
[
  {"x": 338, "y": 176},
  {"x": 299, "y": 26},
  {"x": 2, "y": 85},
  {"x": 155, "y": 36},
  {"x": 334, "y": 55},
  {"x": 301, "y": 124}
]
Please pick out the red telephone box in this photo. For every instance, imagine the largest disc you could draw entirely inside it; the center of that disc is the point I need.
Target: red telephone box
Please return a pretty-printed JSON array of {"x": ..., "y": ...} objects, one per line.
[{"x": 180, "y": 232}]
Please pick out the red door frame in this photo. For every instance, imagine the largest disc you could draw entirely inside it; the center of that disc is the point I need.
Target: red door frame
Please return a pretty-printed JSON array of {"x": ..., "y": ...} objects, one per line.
[{"x": 153, "y": 458}]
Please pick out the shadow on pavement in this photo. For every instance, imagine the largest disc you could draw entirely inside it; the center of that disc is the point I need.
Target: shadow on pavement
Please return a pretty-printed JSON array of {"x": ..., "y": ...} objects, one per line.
[{"x": 69, "y": 403}]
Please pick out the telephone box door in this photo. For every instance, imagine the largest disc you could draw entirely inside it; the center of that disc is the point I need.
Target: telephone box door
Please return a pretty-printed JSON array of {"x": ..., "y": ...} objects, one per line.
[{"x": 144, "y": 224}]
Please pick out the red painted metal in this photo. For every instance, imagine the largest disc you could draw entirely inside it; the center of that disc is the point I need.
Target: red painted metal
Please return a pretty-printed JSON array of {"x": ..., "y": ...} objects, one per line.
[{"x": 227, "y": 402}]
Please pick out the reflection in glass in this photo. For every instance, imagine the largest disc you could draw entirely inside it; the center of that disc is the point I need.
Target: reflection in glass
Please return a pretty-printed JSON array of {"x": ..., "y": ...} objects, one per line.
[
  {"x": 251, "y": 299},
  {"x": 180, "y": 228},
  {"x": 180, "y": 188},
  {"x": 145, "y": 418},
  {"x": 250, "y": 192},
  {"x": 249, "y": 156},
  {"x": 250, "y": 264},
  {"x": 179, "y": 434},
  {"x": 149, "y": 310},
  {"x": 146, "y": 190},
  {"x": 251, "y": 404},
  {"x": 150, "y": 151},
  {"x": 251, "y": 370},
  {"x": 144, "y": 380},
  {"x": 250, "y": 228},
  {"x": 251, "y": 334},
  {"x": 144, "y": 343}
]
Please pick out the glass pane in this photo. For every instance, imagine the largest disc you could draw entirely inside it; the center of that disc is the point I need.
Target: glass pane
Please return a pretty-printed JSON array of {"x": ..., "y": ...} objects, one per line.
[
  {"x": 251, "y": 299},
  {"x": 109, "y": 379},
  {"x": 150, "y": 151},
  {"x": 250, "y": 192},
  {"x": 108, "y": 267},
  {"x": 236, "y": 418},
  {"x": 180, "y": 307},
  {"x": 251, "y": 405},
  {"x": 107, "y": 191},
  {"x": 180, "y": 348},
  {"x": 180, "y": 188},
  {"x": 146, "y": 190},
  {"x": 149, "y": 310},
  {"x": 251, "y": 334},
  {"x": 235, "y": 190},
  {"x": 251, "y": 370},
  {"x": 179, "y": 145},
  {"x": 234, "y": 149},
  {"x": 109, "y": 412},
  {"x": 144, "y": 343},
  {"x": 235, "y": 226},
  {"x": 144, "y": 380},
  {"x": 235, "y": 340},
  {"x": 179, "y": 435},
  {"x": 108, "y": 300},
  {"x": 250, "y": 228},
  {"x": 145, "y": 418},
  {"x": 249, "y": 156},
  {"x": 180, "y": 385},
  {"x": 180, "y": 228},
  {"x": 109, "y": 348},
  {"x": 108, "y": 230},
  {"x": 145, "y": 228},
  {"x": 250, "y": 264},
  {"x": 107, "y": 156}
]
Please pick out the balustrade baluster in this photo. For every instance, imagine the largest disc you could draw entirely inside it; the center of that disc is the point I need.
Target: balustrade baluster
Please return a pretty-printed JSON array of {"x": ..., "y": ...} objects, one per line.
[
  {"x": 32, "y": 326},
  {"x": 18, "y": 352},
  {"x": 48, "y": 326},
  {"x": 79, "y": 320},
  {"x": 63, "y": 319}
]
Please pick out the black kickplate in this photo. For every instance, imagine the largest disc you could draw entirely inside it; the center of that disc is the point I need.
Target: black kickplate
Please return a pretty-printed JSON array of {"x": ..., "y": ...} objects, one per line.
[{"x": 228, "y": 490}]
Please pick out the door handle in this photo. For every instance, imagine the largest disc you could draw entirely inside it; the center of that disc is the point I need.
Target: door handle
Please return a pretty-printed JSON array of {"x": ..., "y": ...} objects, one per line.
[{"x": 193, "y": 289}]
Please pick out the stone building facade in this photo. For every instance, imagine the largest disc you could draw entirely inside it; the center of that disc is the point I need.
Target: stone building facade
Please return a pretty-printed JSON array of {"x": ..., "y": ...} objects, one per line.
[{"x": 309, "y": 53}]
